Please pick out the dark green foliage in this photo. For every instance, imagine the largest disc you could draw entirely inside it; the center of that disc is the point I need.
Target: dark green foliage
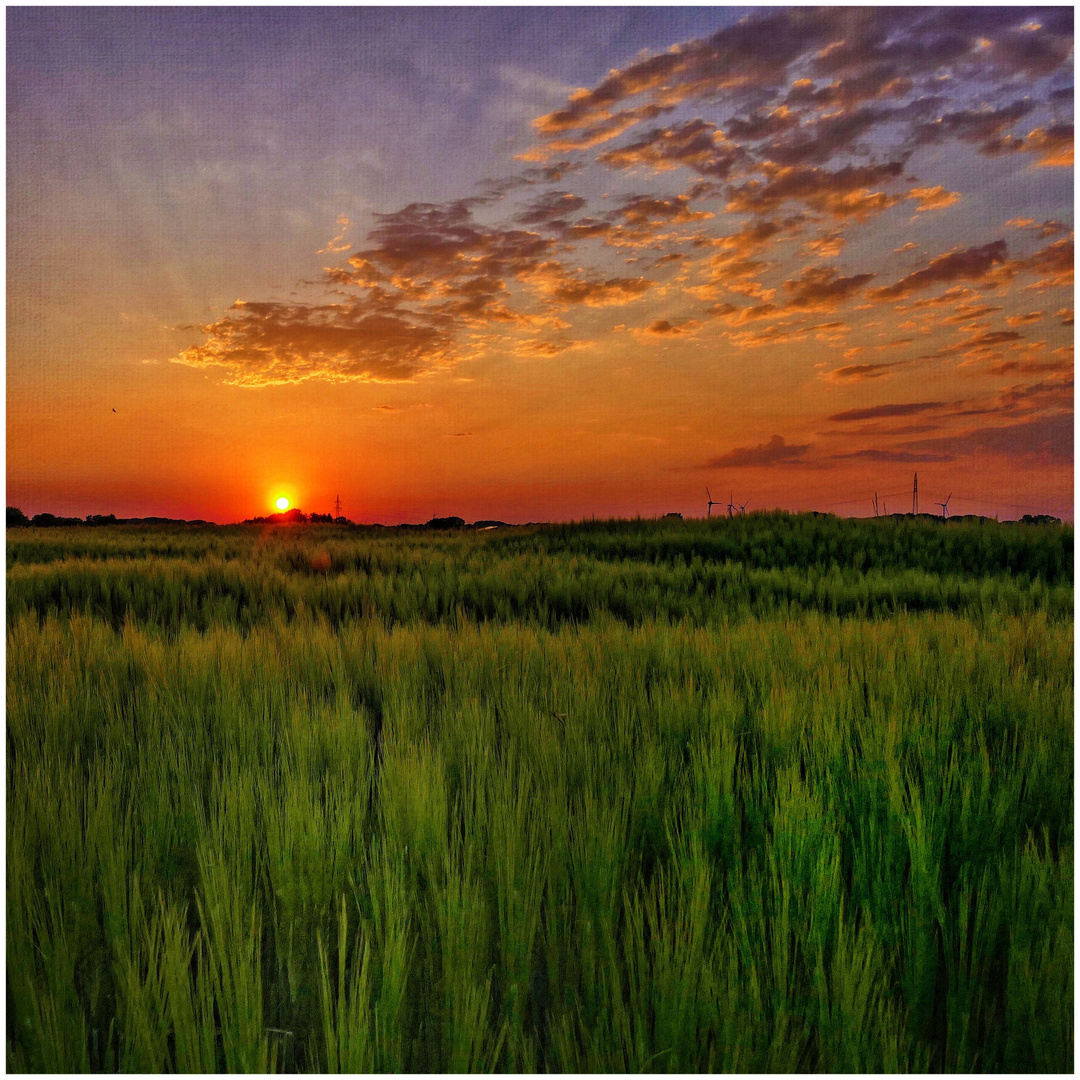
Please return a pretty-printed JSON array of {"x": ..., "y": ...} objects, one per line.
[{"x": 594, "y": 798}]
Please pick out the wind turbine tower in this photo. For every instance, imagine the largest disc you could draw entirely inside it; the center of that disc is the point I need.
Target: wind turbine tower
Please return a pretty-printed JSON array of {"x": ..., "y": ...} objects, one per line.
[
  {"x": 915, "y": 496},
  {"x": 711, "y": 503},
  {"x": 945, "y": 507},
  {"x": 731, "y": 508}
]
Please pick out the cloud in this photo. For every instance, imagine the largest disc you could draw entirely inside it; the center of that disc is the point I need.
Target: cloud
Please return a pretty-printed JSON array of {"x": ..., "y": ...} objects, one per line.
[
  {"x": 895, "y": 456},
  {"x": 695, "y": 144},
  {"x": 818, "y": 142},
  {"x": 549, "y": 348},
  {"x": 971, "y": 264},
  {"x": 666, "y": 328},
  {"x": 777, "y": 335},
  {"x": 1024, "y": 320},
  {"x": 822, "y": 289},
  {"x": 762, "y": 124},
  {"x": 1054, "y": 145},
  {"x": 853, "y": 373},
  {"x": 827, "y": 246},
  {"x": 876, "y": 412},
  {"x": 559, "y": 287},
  {"x": 1054, "y": 264},
  {"x": 773, "y": 452},
  {"x": 935, "y": 198},
  {"x": 549, "y": 207},
  {"x": 842, "y": 193},
  {"x": 1043, "y": 230},
  {"x": 650, "y": 210},
  {"x": 338, "y": 243},
  {"x": 263, "y": 344},
  {"x": 773, "y": 58},
  {"x": 827, "y": 114},
  {"x": 983, "y": 126},
  {"x": 1043, "y": 440}
]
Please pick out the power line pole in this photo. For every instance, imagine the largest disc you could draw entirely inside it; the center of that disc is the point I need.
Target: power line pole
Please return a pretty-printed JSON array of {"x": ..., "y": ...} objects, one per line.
[
  {"x": 337, "y": 506},
  {"x": 915, "y": 496}
]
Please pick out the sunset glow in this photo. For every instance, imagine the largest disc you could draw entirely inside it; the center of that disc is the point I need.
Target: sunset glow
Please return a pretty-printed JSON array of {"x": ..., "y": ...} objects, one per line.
[
  {"x": 539, "y": 264},
  {"x": 282, "y": 503}
]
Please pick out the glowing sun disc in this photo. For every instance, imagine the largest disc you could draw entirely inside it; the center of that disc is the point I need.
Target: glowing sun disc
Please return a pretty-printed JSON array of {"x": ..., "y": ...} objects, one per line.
[{"x": 282, "y": 503}]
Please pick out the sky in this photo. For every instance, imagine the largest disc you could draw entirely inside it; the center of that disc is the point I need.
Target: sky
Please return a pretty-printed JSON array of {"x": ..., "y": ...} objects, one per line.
[{"x": 536, "y": 264}]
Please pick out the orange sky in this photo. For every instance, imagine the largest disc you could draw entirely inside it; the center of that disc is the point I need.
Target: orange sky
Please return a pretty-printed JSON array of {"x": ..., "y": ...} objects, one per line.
[{"x": 600, "y": 263}]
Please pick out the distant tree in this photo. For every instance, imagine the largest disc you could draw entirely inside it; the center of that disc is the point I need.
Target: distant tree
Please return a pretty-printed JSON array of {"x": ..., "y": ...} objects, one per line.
[
  {"x": 446, "y": 523},
  {"x": 321, "y": 519},
  {"x": 100, "y": 519},
  {"x": 16, "y": 518},
  {"x": 48, "y": 521},
  {"x": 342, "y": 520}
]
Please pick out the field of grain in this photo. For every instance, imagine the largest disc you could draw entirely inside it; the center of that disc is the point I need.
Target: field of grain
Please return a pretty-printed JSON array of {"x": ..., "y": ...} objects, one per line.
[{"x": 770, "y": 793}]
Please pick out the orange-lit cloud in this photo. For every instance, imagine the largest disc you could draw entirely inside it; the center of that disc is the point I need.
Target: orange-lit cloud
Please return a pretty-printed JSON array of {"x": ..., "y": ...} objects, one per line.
[
  {"x": 263, "y": 344},
  {"x": 843, "y": 193},
  {"x": 970, "y": 264},
  {"x": 695, "y": 144}
]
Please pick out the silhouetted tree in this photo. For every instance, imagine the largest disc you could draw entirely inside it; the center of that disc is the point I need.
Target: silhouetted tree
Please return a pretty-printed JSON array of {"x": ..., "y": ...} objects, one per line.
[{"x": 16, "y": 518}]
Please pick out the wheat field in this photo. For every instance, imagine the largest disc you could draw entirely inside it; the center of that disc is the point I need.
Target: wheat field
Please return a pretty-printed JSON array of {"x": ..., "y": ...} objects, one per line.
[{"x": 774, "y": 793}]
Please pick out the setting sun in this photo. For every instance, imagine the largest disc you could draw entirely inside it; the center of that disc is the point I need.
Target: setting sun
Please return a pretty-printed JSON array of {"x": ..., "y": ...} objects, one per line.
[{"x": 282, "y": 503}]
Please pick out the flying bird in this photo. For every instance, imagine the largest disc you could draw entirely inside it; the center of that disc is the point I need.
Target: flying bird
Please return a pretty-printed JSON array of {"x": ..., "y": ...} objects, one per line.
[{"x": 114, "y": 410}]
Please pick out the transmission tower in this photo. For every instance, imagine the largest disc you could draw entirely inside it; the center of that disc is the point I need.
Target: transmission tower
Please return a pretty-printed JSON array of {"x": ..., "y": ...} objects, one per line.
[
  {"x": 337, "y": 506},
  {"x": 915, "y": 496}
]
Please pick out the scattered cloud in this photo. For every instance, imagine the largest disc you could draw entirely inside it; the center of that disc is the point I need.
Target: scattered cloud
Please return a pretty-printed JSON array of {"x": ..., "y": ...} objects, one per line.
[
  {"x": 774, "y": 452},
  {"x": 841, "y": 193},
  {"x": 1024, "y": 320},
  {"x": 896, "y": 456},
  {"x": 855, "y": 373},
  {"x": 263, "y": 344},
  {"x": 561, "y": 288},
  {"x": 1042, "y": 440},
  {"x": 822, "y": 288},
  {"x": 551, "y": 206},
  {"x": 695, "y": 144},
  {"x": 970, "y": 264},
  {"x": 876, "y": 412},
  {"x": 1044, "y": 230},
  {"x": 546, "y": 348},
  {"x": 337, "y": 244},
  {"x": 933, "y": 198}
]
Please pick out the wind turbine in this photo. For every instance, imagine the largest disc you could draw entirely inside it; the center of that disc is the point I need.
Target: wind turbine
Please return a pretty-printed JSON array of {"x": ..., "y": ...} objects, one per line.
[
  {"x": 945, "y": 506},
  {"x": 731, "y": 505},
  {"x": 711, "y": 503},
  {"x": 743, "y": 506}
]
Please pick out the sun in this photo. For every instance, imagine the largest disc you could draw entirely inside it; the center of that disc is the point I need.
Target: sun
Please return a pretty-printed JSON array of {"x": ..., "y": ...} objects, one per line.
[{"x": 282, "y": 503}]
